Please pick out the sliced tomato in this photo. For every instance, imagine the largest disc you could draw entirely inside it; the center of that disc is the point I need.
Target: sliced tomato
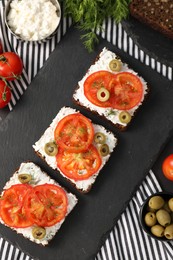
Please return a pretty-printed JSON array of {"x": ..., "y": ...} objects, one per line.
[
  {"x": 11, "y": 206},
  {"x": 46, "y": 205},
  {"x": 74, "y": 133},
  {"x": 93, "y": 83},
  {"x": 128, "y": 91},
  {"x": 125, "y": 89},
  {"x": 79, "y": 166}
]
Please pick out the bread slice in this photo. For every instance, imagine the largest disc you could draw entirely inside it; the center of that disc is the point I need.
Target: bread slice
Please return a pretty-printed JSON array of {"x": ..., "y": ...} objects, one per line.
[
  {"x": 48, "y": 136},
  {"x": 111, "y": 114},
  {"x": 157, "y": 14},
  {"x": 38, "y": 177}
]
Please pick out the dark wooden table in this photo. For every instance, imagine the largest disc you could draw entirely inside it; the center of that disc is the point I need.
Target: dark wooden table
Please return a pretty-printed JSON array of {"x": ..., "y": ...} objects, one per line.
[{"x": 144, "y": 146}]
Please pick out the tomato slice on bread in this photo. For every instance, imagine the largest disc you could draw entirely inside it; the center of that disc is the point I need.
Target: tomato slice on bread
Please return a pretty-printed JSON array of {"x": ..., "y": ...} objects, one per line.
[
  {"x": 74, "y": 133},
  {"x": 12, "y": 208},
  {"x": 46, "y": 205},
  {"x": 79, "y": 166},
  {"x": 128, "y": 91},
  {"x": 93, "y": 83},
  {"x": 125, "y": 89}
]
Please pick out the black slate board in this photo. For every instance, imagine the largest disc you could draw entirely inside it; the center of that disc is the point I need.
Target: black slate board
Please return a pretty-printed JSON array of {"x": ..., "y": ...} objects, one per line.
[{"x": 84, "y": 230}]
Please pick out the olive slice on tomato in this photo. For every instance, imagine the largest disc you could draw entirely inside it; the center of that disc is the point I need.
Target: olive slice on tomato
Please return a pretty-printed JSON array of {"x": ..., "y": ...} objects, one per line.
[
  {"x": 38, "y": 232},
  {"x": 104, "y": 150},
  {"x": 115, "y": 65},
  {"x": 125, "y": 117},
  {"x": 51, "y": 149},
  {"x": 103, "y": 94},
  {"x": 24, "y": 177},
  {"x": 99, "y": 138}
]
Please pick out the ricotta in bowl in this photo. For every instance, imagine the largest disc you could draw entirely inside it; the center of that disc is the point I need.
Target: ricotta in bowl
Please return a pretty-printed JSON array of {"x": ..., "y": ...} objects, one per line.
[{"x": 33, "y": 20}]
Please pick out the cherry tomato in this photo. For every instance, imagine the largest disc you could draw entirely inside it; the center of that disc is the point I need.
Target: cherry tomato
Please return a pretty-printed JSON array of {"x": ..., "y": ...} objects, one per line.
[
  {"x": 74, "y": 133},
  {"x": 167, "y": 167},
  {"x": 11, "y": 65},
  {"x": 1, "y": 49},
  {"x": 79, "y": 166},
  {"x": 11, "y": 206},
  {"x": 46, "y": 205},
  {"x": 5, "y": 94},
  {"x": 125, "y": 89}
]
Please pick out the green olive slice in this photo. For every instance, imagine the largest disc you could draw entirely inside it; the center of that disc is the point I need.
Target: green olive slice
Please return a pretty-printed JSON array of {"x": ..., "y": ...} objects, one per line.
[
  {"x": 51, "y": 149},
  {"x": 99, "y": 138},
  {"x": 38, "y": 232},
  {"x": 103, "y": 94},
  {"x": 24, "y": 177},
  {"x": 125, "y": 117},
  {"x": 115, "y": 65},
  {"x": 104, "y": 150}
]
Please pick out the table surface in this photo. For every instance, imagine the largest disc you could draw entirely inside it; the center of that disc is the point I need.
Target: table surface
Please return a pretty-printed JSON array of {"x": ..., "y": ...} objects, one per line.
[{"x": 149, "y": 137}]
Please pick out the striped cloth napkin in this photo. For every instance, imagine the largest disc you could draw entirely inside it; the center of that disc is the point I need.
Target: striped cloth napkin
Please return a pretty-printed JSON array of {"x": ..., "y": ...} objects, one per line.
[
  {"x": 126, "y": 241},
  {"x": 11, "y": 252}
]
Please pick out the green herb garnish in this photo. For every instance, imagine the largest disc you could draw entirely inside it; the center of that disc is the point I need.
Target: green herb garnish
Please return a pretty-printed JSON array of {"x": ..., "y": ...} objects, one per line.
[
  {"x": 111, "y": 112},
  {"x": 89, "y": 15}
]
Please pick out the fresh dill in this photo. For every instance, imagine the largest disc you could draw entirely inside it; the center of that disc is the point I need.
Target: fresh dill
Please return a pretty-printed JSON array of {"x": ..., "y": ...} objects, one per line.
[{"x": 89, "y": 16}]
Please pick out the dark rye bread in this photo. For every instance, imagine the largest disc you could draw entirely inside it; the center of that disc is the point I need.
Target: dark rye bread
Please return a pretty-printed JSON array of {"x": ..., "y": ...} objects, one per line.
[
  {"x": 83, "y": 185},
  {"x": 67, "y": 179},
  {"x": 158, "y": 14},
  {"x": 117, "y": 125},
  {"x": 51, "y": 181}
]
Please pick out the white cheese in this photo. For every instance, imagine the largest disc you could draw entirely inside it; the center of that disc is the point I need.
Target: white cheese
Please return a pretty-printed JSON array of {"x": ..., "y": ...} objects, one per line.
[
  {"x": 33, "y": 20},
  {"x": 103, "y": 64},
  {"x": 38, "y": 178},
  {"x": 51, "y": 160}
]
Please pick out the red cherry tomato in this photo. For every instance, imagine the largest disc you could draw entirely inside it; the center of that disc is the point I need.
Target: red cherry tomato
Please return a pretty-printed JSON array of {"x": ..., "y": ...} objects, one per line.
[
  {"x": 11, "y": 65},
  {"x": 167, "y": 167},
  {"x": 5, "y": 94}
]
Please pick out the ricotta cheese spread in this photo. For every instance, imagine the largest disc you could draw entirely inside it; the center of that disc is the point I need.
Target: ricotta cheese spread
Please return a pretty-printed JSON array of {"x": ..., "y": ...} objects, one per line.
[
  {"x": 48, "y": 136},
  {"x": 103, "y": 64},
  {"x": 38, "y": 178},
  {"x": 33, "y": 20}
]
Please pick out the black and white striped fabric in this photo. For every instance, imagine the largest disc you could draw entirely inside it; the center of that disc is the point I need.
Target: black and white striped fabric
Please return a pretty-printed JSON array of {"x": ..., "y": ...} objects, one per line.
[
  {"x": 127, "y": 240},
  {"x": 10, "y": 252},
  {"x": 116, "y": 34}
]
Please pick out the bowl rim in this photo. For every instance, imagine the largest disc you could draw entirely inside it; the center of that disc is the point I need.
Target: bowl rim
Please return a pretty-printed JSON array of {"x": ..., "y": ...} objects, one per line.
[
  {"x": 141, "y": 213},
  {"x": 6, "y": 10}
]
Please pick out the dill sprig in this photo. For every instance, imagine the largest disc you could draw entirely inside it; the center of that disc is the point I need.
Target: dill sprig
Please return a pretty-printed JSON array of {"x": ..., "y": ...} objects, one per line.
[{"x": 89, "y": 16}]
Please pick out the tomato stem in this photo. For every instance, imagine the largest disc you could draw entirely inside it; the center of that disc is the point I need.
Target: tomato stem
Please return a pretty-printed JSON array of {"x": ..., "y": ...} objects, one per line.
[
  {"x": 4, "y": 93},
  {"x": 3, "y": 58},
  {"x": 4, "y": 96}
]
